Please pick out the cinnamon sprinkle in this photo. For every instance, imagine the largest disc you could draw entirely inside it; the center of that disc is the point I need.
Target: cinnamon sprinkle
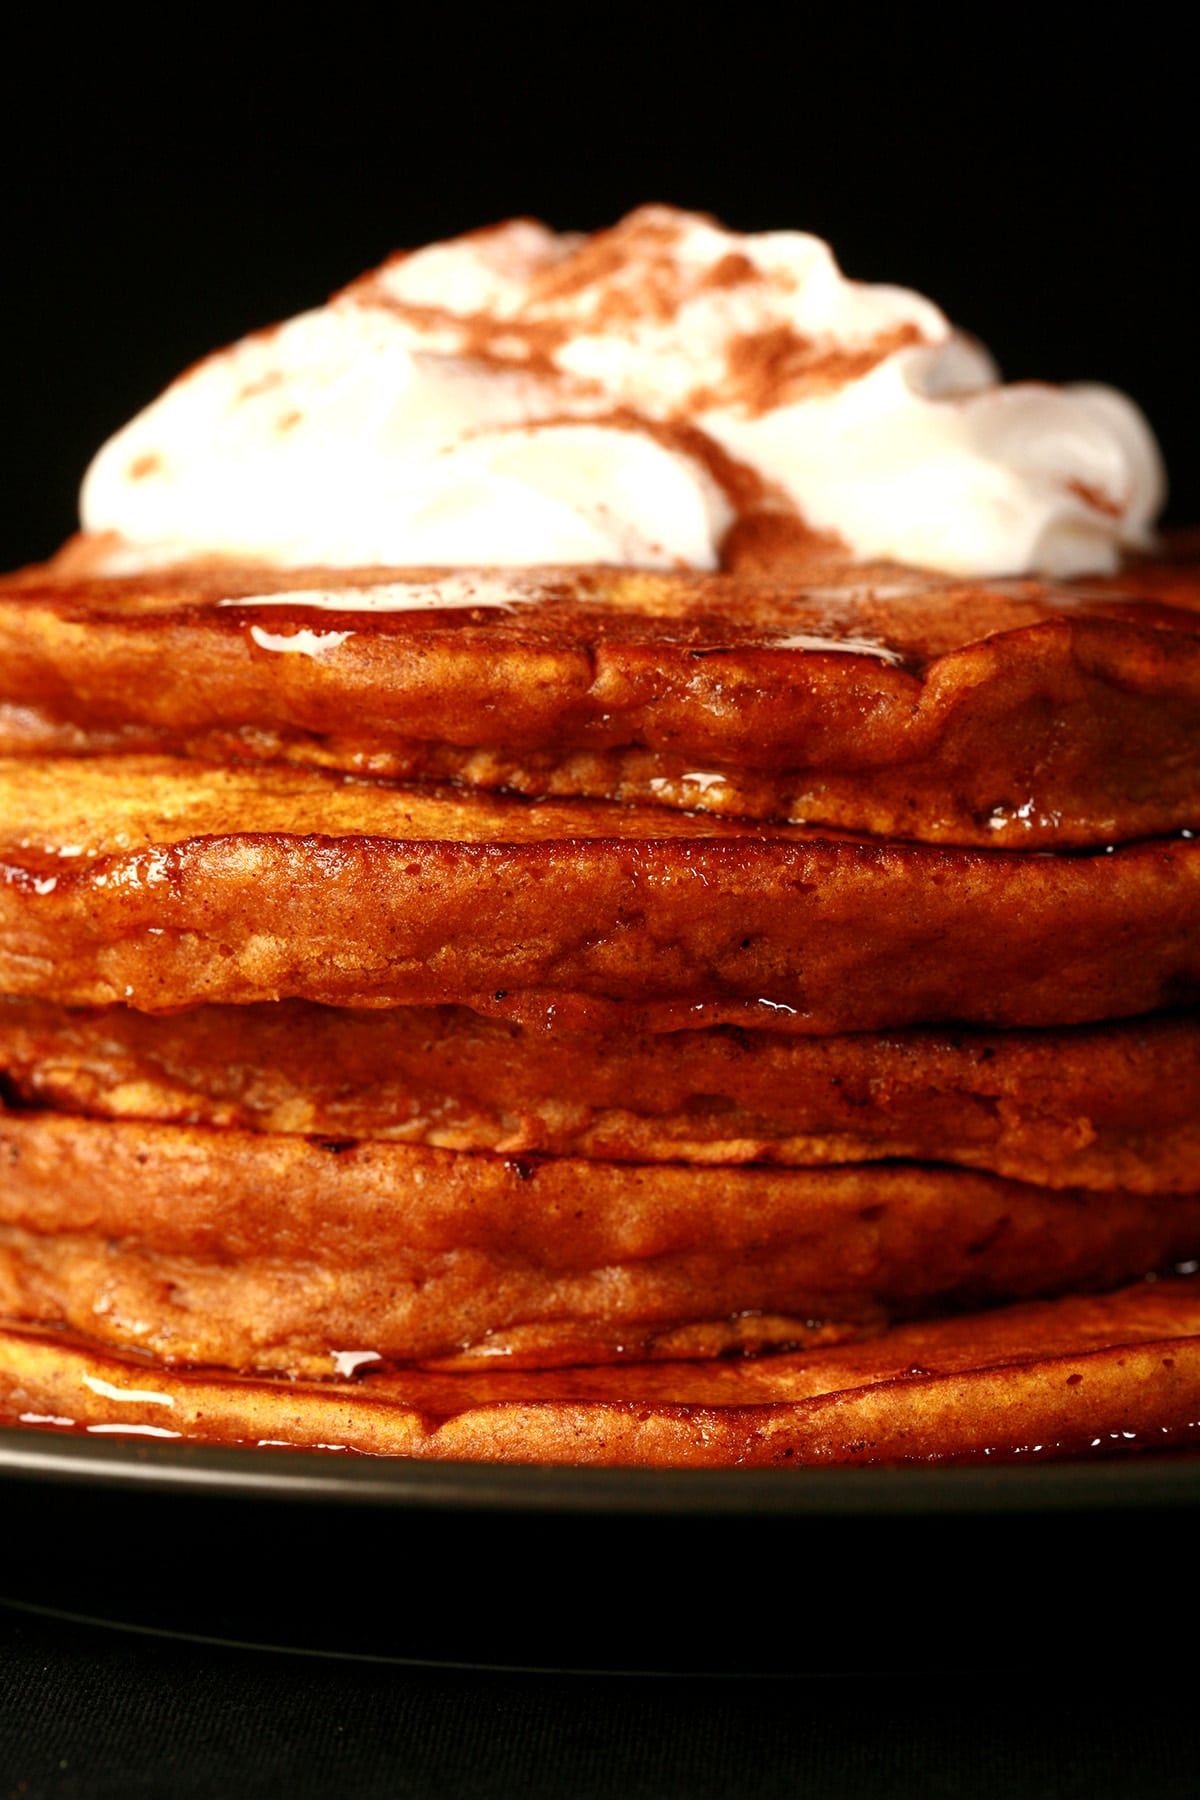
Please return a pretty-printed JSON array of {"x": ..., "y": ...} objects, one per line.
[
  {"x": 765, "y": 368},
  {"x": 1095, "y": 497}
]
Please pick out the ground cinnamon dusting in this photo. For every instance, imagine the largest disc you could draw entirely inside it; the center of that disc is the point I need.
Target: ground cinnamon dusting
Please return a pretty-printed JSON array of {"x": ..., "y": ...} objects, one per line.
[
  {"x": 1095, "y": 497},
  {"x": 766, "y": 368}
]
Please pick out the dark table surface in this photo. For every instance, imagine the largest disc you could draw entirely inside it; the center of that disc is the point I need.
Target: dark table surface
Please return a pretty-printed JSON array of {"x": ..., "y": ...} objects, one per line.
[
  {"x": 93, "y": 1712},
  {"x": 167, "y": 1630}
]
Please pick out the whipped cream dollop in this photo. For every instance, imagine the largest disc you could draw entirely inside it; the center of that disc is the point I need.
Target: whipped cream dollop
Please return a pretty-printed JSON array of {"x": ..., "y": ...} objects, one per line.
[{"x": 518, "y": 396}]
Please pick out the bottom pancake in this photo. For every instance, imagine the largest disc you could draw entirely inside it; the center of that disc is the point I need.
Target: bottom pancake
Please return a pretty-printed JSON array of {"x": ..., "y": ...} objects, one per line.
[
  {"x": 261, "y": 1251},
  {"x": 1067, "y": 1377}
]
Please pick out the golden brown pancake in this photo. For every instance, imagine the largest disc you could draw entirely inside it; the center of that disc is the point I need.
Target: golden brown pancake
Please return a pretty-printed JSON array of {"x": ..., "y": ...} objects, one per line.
[
  {"x": 1102, "y": 1106},
  {"x": 664, "y": 1196},
  {"x": 164, "y": 883},
  {"x": 1017, "y": 714},
  {"x": 1077, "y": 1376},
  {"x": 254, "y": 1250}
]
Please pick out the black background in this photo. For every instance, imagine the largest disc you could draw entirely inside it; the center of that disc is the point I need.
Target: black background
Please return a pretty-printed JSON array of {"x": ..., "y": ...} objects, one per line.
[{"x": 1033, "y": 175}]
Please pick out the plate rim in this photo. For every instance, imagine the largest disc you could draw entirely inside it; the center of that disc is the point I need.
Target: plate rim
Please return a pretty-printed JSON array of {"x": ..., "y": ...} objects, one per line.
[{"x": 1135, "y": 1481}]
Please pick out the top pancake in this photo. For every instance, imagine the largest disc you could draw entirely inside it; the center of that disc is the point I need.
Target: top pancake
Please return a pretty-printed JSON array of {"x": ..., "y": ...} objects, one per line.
[{"x": 1008, "y": 714}]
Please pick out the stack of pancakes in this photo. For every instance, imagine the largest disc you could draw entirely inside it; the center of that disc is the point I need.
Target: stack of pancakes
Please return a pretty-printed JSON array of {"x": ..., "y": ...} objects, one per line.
[{"x": 593, "y": 1016}]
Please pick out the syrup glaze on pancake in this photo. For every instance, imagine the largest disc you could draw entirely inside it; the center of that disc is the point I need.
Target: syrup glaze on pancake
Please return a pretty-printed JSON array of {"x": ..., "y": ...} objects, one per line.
[
  {"x": 877, "y": 700},
  {"x": 261, "y": 1251},
  {"x": 1103, "y": 1106},
  {"x": 163, "y": 884},
  {"x": 1071, "y": 1377}
]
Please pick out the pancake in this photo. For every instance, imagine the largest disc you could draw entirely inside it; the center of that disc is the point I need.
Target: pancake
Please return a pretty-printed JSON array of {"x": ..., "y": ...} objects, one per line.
[
  {"x": 163, "y": 884},
  {"x": 1071, "y": 1377},
  {"x": 886, "y": 701},
  {"x": 1103, "y": 1106},
  {"x": 262, "y": 1251}
]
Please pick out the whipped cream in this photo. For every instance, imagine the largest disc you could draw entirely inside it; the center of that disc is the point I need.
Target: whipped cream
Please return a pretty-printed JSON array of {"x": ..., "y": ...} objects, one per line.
[{"x": 517, "y": 396}]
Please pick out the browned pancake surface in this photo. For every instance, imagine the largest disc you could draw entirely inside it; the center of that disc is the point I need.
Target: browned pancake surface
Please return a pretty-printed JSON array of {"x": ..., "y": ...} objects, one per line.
[
  {"x": 1011, "y": 713},
  {"x": 164, "y": 884},
  {"x": 999, "y": 715},
  {"x": 1107, "y": 1106},
  {"x": 1104, "y": 1374},
  {"x": 262, "y": 1251}
]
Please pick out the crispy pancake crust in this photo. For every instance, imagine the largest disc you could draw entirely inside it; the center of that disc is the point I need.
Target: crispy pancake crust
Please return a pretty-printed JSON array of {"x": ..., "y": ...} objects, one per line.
[
  {"x": 165, "y": 884},
  {"x": 1012, "y": 713},
  {"x": 1100, "y": 1375},
  {"x": 1107, "y": 1106},
  {"x": 262, "y": 1251}
]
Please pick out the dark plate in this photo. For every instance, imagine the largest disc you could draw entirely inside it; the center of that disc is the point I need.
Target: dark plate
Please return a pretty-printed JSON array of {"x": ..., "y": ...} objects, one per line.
[
  {"x": 297, "y": 1476},
  {"x": 839, "y": 1571}
]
